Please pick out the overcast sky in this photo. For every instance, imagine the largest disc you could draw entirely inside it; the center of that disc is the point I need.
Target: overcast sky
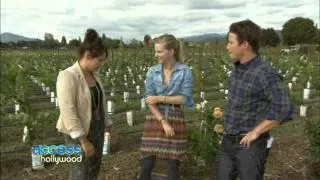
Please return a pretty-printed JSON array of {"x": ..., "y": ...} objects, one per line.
[{"x": 135, "y": 18}]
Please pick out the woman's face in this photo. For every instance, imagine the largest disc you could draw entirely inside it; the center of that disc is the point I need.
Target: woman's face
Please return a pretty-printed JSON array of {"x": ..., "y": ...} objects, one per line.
[
  {"x": 162, "y": 54},
  {"x": 94, "y": 63}
]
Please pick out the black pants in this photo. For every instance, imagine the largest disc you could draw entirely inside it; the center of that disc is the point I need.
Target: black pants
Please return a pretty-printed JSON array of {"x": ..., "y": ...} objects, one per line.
[
  {"x": 89, "y": 168},
  {"x": 237, "y": 160},
  {"x": 147, "y": 164}
]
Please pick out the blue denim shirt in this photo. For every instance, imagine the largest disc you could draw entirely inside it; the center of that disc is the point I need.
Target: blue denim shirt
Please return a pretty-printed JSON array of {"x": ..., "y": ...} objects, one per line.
[{"x": 181, "y": 83}]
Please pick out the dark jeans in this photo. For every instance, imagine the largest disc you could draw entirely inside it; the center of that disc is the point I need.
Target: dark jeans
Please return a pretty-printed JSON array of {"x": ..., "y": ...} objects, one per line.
[
  {"x": 237, "y": 160},
  {"x": 89, "y": 168},
  {"x": 147, "y": 164}
]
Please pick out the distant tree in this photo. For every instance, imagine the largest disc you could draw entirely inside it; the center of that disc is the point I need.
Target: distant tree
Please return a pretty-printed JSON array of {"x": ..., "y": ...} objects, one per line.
[
  {"x": 4, "y": 45},
  {"x": 109, "y": 42},
  {"x": 22, "y": 44},
  {"x": 318, "y": 39},
  {"x": 106, "y": 41},
  {"x": 104, "y": 36},
  {"x": 269, "y": 37},
  {"x": 115, "y": 43},
  {"x": 74, "y": 43},
  {"x": 63, "y": 41},
  {"x": 299, "y": 31},
  {"x": 49, "y": 41},
  {"x": 121, "y": 44},
  {"x": 36, "y": 44},
  {"x": 79, "y": 39},
  {"x": 318, "y": 36},
  {"x": 186, "y": 43},
  {"x": 48, "y": 37},
  {"x": 134, "y": 43}
]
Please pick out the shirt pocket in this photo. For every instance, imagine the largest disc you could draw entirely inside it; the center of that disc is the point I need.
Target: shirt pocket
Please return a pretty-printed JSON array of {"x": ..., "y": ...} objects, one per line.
[
  {"x": 176, "y": 87},
  {"x": 157, "y": 82},
  {"x": 177, "y": 81}
]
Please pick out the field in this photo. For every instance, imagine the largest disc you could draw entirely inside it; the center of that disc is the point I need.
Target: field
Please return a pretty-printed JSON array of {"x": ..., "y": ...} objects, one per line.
[{"x": 28, "y": 80}]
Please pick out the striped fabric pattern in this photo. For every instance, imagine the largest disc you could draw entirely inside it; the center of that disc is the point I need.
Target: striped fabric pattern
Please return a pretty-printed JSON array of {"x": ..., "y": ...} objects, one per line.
[{"x": 154, "y": 140}]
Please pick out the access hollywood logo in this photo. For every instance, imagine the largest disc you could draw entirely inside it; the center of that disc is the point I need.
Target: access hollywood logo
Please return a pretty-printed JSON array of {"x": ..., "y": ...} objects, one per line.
[{"x": 57, "y": 154}]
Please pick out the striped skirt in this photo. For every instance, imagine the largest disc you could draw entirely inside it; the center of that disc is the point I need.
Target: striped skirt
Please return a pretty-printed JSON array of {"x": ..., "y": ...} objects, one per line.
[{"x": 154, "y": 140}]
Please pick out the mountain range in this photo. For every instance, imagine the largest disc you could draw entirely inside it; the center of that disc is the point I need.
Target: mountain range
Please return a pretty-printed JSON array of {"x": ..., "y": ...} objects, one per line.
[
  {"x": 10, "y": 37},
  {"x": 206, "y": 38},
  {"x": 202, "y": 38}
]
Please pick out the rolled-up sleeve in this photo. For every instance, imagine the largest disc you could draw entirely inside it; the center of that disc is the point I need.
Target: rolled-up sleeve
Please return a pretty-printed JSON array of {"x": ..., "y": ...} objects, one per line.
[
  {"x": 66, "y": 93},
  {"x": 281, "y": 107},
  {"x": 149, "y": 88},
  {"x": 187, "y": 88}
]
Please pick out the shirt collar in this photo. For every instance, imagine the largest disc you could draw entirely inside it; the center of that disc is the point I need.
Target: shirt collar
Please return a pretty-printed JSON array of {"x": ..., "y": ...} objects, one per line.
[
  {"x": 248, "y": 64},
  {"x": 177, "y": 66}
]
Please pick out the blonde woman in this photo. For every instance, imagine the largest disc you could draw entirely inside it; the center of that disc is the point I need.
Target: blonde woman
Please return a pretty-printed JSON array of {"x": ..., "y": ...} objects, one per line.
[{"x": 169, "y": 87}]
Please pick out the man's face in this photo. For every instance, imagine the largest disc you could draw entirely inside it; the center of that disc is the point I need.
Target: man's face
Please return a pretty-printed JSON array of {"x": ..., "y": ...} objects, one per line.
[
  {"x": 235, "y": 50},
  {"x": 150, "y": 42}
]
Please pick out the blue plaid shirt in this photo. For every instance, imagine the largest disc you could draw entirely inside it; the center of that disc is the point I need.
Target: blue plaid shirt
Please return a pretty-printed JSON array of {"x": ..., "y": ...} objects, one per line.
[{"x": 256, "y": 93}]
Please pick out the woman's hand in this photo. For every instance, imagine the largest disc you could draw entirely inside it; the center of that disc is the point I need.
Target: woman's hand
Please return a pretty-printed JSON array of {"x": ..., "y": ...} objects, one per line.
[
  {"x": 87, "y": 147},
  {"x": 153, "y": 100},
  {"x": 167, "y": 128}
]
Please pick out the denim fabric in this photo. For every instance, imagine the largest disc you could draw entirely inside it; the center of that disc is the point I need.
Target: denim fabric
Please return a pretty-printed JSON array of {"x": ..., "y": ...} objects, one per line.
[
  {"x": 247, "y": 163},
  {"x": 181, "y": 83},
  {"x": 147, "y": 164},
  {"x": 89, "y": 168}
]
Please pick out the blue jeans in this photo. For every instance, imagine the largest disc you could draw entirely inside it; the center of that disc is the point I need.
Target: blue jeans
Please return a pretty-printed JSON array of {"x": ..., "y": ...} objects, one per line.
[
  {"x": 147, "y": 164},
  {"x": 89, "y": 168},
  {"x": 236, "y": 160}
]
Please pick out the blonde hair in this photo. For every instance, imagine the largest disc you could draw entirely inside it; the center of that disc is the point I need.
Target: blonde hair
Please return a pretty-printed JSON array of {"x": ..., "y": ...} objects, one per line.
[{"x": 170, "y": 42}]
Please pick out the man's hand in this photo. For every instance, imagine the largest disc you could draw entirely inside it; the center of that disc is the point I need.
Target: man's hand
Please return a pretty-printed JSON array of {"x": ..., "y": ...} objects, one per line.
[
  {"x": 249, "y": 138},
  {"x": 152, "y": 99}
]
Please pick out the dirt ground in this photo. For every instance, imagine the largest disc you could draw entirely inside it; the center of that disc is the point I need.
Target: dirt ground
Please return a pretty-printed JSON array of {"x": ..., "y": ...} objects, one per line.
[{"x": 287, "y": 160}]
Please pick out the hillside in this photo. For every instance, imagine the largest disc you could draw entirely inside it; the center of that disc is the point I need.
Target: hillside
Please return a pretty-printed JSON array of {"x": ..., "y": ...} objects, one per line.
[{"x": 10, "y": 37}]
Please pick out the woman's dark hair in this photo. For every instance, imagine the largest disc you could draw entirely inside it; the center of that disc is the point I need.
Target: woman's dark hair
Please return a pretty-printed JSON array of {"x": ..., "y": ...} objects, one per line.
[
  {"x": 93, "y": 44},
  {"x": 247, "y": 31}
]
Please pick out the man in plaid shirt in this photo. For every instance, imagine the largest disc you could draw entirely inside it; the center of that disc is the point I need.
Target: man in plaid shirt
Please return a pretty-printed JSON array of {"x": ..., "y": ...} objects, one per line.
[{"x": 257, "y": 102}]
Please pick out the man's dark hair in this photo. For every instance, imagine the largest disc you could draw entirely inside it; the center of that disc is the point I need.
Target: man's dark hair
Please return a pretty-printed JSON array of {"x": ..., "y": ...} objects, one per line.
[
  {"x": 146, "y": 38},
  {"x": 247, "y": 31}
]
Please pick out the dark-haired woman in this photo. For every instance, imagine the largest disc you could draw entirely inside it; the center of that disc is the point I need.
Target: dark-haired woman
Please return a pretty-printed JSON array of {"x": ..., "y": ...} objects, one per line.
[{"x": 82, "y": 106}]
